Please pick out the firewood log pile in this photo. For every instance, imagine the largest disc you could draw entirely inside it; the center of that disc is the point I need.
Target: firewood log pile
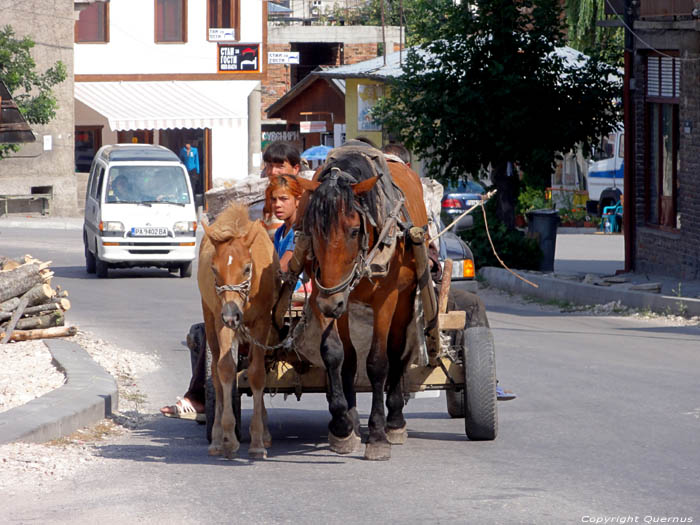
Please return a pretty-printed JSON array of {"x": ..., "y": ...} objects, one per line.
[{"x": 30, "y": 308}]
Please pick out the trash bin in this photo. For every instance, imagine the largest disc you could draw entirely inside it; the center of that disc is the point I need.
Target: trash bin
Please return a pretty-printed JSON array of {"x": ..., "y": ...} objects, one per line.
[{"x": 544, "y": 223}]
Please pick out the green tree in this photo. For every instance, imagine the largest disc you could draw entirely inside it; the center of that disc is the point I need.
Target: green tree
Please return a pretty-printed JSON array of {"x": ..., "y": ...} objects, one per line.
[
  {"x": 29, "y": 89},
  {"x": 489, "y": 89},
  {"x": 588, "y": 37}
]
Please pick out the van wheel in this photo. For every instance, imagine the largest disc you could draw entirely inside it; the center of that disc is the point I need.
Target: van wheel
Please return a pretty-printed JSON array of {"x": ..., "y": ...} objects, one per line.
[
  {"x": 89, "y": 260},
  {"x": 186, "y": 269},
  {"x": 101, "y": 268}
]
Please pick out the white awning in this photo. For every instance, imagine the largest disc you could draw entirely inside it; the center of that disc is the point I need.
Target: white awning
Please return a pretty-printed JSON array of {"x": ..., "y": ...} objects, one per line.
[{"x": 168, "y": 104}]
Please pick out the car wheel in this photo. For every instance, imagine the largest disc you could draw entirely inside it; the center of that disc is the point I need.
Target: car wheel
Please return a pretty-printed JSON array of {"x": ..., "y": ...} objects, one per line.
[
  {"x": 101, "y": 268},
  {"x": 89, "y": 259},
  {"x": 186, "y": 269}
]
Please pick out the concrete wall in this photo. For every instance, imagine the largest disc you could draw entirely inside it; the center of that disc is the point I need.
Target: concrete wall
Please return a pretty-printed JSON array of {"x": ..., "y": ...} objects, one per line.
[
  {"x": 50, "y": 25},
  {"x": 670, "y": 251}
]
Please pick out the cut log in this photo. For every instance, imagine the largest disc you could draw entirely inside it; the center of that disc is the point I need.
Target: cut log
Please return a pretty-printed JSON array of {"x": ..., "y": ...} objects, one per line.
[
  {"x": 44, "y": 333},
  {"x": 58, "y": 304},
  {"x": 10, "y": 305},
  {"x": 15, "y": 319},
  {"x": 55, "y": 318},
  {"x": 14, "y": 283}
]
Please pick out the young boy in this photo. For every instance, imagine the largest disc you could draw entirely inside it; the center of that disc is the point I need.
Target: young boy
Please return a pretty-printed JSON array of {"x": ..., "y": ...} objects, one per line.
[{"x": 280, "y": 158}]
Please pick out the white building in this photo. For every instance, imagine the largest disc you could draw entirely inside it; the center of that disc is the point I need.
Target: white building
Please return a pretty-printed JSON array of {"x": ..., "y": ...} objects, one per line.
[{"x": 155, "y": 72}]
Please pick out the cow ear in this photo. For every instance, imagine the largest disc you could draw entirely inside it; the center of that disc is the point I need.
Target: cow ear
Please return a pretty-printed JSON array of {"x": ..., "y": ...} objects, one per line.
[
  {"x": 308, "y": 185},
  {"x": 364, "y": 186}
]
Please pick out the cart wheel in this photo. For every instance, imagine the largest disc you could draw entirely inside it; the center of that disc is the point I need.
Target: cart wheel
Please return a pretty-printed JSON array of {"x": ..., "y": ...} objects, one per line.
[
  {"x": 455, "y": 403},
  {"x": 481, "y": 416},
  {"x": 210, "y": 402}
]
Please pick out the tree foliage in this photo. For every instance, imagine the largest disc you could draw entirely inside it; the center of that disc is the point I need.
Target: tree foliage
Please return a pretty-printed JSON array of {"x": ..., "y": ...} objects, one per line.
[
  {"x": 488, "y": 89},
  {"x": 585, "y": 35},
  {"x": 29, "y": 89}
]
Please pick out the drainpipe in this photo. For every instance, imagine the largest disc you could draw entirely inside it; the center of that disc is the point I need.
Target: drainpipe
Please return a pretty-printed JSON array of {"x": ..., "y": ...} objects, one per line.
[
  {"x": 254, "y": 132},
  {"x": 628, "y": 218}
]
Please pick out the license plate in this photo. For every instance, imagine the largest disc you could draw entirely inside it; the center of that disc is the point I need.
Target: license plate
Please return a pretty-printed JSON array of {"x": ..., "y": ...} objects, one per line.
[{"x": 149, "y": 232}]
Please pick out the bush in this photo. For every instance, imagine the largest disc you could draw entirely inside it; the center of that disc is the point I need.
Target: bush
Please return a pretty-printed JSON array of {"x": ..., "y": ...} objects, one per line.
[
  {"x": 514, "y": 248},
  {"x": 531, "y": 198}
]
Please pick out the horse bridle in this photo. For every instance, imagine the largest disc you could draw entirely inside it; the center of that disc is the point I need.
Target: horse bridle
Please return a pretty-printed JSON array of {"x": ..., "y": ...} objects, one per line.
[{"x": 361, "y": 268}]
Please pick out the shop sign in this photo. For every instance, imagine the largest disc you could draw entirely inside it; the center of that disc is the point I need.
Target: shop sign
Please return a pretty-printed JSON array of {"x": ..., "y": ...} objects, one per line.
[
  {"x": 222, "y": 34},
  {"x": 287, "y": 136},
  {"x": 312, "y": 126},
  {"x": 283, "y": 57},
  {"x": 239, "y": 58}
]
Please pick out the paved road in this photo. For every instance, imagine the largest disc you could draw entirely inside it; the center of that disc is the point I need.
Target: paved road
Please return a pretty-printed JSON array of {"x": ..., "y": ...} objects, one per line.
[{"x": 607, "y": 423}]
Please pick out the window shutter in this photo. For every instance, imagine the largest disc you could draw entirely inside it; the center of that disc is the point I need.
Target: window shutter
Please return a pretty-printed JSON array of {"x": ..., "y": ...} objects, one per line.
[{"x": 663, "y": 77}]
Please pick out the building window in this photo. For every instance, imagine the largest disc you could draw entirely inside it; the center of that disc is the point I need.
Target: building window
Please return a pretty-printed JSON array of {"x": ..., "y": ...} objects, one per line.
[
  {"x": 662, "y": 123},
  {"x": 662, "y": 169},
  {"x": 93, "y": 24},
  {"x": 171, "y": 20},
  {"x": 224, "y": 14}
]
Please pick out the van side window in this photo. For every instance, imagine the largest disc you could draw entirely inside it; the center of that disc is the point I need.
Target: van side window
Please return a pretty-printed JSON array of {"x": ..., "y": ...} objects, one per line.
[{"x": 97, "y": 183}]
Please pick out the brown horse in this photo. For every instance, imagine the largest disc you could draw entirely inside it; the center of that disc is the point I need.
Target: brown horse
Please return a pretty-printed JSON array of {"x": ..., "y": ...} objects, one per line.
[
  {"x": 343, "y": 216},
  {"x": 238, "y": 282}
]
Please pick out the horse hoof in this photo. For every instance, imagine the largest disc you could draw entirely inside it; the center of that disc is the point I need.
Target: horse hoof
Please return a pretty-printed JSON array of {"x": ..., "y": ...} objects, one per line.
[
  {"x": 257, "y": 453},
  {"x": 397, "y": 436},
  {"x": 378, "y": 451},
  {"x": 345, "y": 445},
  {"x": 214, "y": 450}
]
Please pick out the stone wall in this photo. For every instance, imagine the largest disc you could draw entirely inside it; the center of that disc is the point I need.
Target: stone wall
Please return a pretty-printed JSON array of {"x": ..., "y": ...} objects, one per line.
[
  {"x": 50, "y": 25},
  {"x": 673, "y": 252}
]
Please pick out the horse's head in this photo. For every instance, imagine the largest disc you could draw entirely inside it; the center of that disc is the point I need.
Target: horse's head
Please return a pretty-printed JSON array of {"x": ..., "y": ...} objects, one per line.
[
  {"x": 232, "y": 265},
  {"x": 336, "y": 220}
]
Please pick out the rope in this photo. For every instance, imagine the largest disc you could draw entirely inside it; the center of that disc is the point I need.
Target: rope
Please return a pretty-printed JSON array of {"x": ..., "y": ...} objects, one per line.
[
  {"x": 488, "y": 234},
  {"x": 484, "y": 200}
]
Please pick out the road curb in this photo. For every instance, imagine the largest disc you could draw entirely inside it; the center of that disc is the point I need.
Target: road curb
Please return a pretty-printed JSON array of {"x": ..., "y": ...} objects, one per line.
[
  {"x": 551, "y": 288},
  {"x": 88, "y": 395}
]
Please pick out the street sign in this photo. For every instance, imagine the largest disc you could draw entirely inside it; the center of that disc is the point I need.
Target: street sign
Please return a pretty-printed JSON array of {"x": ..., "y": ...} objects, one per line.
[
  {"x": 283, "y": 57},
  {"x": 239, "y": 58},
  {"x": 222, "y": 34},
  {"x": 312, "y": 126}
]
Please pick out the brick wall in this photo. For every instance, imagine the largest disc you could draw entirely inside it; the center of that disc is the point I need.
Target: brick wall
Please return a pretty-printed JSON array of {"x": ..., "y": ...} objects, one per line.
[
  {"x": 276, "y": 82},
  {"x": 675, "y": 252}
]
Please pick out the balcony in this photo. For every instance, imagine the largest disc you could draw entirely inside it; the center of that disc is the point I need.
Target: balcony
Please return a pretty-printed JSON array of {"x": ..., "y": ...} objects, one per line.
[{"x": 673, "y": 9}]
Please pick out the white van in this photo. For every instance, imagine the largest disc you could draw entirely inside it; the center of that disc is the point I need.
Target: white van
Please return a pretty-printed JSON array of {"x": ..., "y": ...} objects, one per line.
[
  {"x": 606, "y": 170},
  {"x": 139, "y": 210}
]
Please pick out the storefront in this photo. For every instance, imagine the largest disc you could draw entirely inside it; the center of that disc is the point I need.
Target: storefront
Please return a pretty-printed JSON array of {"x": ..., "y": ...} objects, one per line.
[{"x": 211, "y": 116}]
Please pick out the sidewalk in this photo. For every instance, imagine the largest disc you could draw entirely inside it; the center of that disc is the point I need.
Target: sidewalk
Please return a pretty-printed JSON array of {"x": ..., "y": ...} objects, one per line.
[
  {"x": 18, "y": 220},
  {"x": 585, "y": 267}
]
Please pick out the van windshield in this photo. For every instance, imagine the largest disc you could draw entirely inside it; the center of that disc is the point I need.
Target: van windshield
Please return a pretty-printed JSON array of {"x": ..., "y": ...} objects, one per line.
[{"x": 137, "y": 184}]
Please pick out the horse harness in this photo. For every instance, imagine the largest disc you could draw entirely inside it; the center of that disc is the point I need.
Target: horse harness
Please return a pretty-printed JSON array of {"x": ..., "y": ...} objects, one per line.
[{"x": 385, "y": 243}]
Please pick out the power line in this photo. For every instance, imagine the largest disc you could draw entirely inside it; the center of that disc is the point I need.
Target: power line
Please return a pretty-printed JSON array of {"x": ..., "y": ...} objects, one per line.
[{"x": 652, "y": 48}]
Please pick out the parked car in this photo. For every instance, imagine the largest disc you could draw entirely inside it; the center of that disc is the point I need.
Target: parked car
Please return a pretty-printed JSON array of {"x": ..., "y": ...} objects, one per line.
[
  {"x": 458, "y": 198},
  {"x": 139, "y": 211}
]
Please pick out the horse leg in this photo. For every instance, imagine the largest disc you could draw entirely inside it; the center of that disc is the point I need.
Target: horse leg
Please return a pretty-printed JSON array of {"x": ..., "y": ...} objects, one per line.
[
  {"x": 226, "y": 367},
  {"x": 349, "y": 371},
  {"x": 256, "y": 377},
  {"x": 378, "y": 446},
  {"x": 211, "y": 331},
  {"x": 340, "y": 436},
  {"x": 395, "y": 422}
]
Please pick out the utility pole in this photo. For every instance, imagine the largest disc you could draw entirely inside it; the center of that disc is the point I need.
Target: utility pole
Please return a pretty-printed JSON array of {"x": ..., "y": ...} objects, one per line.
[{"x": 628, "y": 217}]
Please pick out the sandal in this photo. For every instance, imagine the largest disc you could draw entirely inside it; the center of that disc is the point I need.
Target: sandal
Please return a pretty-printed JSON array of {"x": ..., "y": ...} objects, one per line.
[
  {"x": 504, "y": 395},
  {"x": 183, "y": 409}
]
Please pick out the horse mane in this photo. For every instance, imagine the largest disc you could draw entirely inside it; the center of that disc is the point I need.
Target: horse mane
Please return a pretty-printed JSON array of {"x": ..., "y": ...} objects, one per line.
[
  {"x": 331, "y": 201},
  {"x": 232, "y": 222}
]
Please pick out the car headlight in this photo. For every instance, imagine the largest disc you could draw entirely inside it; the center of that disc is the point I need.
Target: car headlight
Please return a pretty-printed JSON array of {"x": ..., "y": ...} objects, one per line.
[
  {"x": 185, "y": 227},
  {"x": 463, "y": 269},
  {"x": 111, "y": 228}
]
